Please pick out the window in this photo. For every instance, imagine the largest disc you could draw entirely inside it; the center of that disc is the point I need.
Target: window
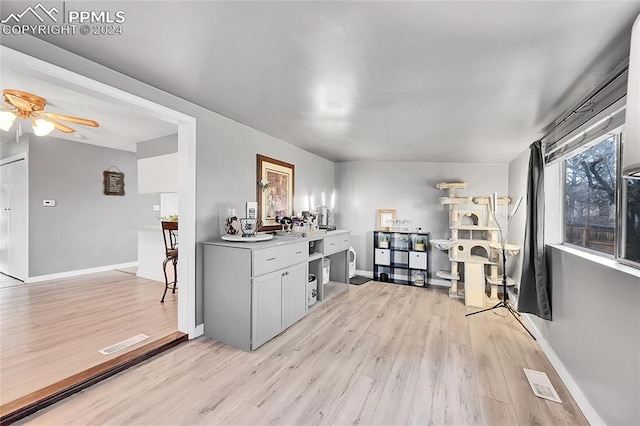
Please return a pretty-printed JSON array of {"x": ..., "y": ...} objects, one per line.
[
  {"x": 631, "y": 221},
  {"x": 590, "y": 196}
]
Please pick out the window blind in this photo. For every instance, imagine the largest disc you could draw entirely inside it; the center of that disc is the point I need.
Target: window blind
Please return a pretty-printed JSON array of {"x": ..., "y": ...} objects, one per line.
[{"x": 601, "y": 110}]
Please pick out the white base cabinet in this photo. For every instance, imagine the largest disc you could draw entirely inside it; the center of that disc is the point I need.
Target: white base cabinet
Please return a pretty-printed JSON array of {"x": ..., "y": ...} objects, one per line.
[
  {"x": 254, "y": 291},
  {"x": 278, "y": 301}
]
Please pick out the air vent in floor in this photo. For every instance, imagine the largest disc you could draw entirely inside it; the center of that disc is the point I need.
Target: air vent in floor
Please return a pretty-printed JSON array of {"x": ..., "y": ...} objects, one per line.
[{"x": 124, "y": 344}]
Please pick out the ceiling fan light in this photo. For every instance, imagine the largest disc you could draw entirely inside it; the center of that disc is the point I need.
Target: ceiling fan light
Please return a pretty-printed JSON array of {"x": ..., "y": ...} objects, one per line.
[
  {"x": 6, "y": 120},
  {"x": 42, "y": 127}
]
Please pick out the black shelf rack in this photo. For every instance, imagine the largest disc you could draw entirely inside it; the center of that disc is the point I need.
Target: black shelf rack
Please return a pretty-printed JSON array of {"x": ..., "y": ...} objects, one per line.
[{"x": 401, "y": 257}]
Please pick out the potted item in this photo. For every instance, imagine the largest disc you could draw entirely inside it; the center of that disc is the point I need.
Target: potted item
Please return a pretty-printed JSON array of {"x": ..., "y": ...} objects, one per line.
[
  {"x": 419, "y": 245},
  {"x": 383, "y": 242}
]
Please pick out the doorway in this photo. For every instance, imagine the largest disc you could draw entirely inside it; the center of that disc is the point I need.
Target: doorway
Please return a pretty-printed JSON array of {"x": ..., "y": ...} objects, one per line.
[
  {"x": 186, "y": 157},
  {"x": 13, "y": 217}
]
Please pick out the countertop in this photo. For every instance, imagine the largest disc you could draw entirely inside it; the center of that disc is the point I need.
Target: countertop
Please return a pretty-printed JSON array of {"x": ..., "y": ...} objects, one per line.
[{"x": 275, "y": 242}]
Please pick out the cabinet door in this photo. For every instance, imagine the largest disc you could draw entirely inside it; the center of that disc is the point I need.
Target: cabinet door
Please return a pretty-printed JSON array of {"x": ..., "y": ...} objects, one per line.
[
  {"x": 294, "y": 294},
  {"x": 266, "y": 319}
]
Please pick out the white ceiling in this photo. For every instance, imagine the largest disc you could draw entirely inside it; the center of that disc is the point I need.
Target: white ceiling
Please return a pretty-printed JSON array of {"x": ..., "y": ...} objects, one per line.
[
  {"x": 121, "y": 127},
  {"x": 415, "y": 81}
]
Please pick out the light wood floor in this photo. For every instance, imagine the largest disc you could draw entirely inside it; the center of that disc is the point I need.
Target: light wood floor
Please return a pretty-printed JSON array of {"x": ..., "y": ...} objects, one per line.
[
  {"x": 380, "y": 354},
  {"x": 54, "y": 329}
]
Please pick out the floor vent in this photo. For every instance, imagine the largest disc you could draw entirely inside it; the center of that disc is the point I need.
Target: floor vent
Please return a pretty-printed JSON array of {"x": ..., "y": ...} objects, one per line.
[{"x": 124, "y": 344}]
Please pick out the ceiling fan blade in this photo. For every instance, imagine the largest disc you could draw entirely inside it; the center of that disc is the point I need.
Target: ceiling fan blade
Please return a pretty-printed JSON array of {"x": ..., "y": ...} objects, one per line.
[
  {"x": 18, "y": 102},
  {"x": 71, "y": 119},
  {"x": 61, "y": 127}
]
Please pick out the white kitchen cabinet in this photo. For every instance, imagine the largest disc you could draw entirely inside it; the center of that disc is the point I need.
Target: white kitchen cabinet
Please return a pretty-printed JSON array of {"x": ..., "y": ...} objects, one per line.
[
  {"x": 254, "y": 291},
  {"x": 267, "y": 307},
  {"x": 278, "y": 301},
  {"x": 294, "y": 294}
]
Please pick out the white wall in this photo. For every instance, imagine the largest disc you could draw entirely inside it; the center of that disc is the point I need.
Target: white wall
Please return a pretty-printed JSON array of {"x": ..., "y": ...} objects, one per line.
[{"x": 363, "y": 187}]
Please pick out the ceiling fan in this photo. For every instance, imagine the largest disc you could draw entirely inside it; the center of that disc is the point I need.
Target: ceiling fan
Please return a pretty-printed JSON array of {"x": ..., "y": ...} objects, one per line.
[{"x": 31, "y": 107}]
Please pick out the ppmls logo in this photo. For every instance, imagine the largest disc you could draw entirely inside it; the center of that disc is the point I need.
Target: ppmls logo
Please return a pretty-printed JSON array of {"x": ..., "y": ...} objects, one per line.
[
  {"x": 60, "y": 20},
  {"x": 39, "y": 11}
]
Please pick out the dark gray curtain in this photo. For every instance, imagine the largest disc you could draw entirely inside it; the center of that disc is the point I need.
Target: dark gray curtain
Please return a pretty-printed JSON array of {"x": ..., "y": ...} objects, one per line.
[{"x": 535, "y": 289}]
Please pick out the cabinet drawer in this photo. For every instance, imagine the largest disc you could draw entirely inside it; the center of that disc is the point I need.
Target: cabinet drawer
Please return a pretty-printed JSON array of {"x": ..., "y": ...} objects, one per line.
[
  {"x": 383, "y": 257},
  {"x": 274, "y": 258},
  {"x": 417, "y": 260},
  {"x": 336, "y": 243}
]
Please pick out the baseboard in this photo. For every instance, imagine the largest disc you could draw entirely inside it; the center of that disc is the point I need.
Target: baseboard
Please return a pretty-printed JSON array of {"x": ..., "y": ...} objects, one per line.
[
  {"x": 68, "y": 274},
  {"x": 199, "y": 331},
  {"x": 152, "y": 277},
  {"x": 439, "y": 283},
  {"x": 435, "y": 282},
  {"x": 585, "y": 405},
  {"x": 367, "y": 274}
]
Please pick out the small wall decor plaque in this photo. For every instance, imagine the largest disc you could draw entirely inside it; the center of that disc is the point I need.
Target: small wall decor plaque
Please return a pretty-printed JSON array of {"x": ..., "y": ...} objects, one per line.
[{"x": 113, "y": 182}]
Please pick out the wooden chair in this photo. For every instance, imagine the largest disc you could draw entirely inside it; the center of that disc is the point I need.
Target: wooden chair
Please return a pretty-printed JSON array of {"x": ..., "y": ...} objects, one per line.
[{"x": 170, "y": 235}]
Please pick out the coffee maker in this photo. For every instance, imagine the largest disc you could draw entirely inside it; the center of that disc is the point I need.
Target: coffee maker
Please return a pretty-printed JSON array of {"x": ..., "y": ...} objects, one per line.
[{"x": 325, "y": 219}]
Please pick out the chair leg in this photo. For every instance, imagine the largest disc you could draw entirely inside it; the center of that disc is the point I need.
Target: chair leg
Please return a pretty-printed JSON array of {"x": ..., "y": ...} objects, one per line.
[
  {"x": 166, "y": 278},
  {"x": 175, "y": 274}
]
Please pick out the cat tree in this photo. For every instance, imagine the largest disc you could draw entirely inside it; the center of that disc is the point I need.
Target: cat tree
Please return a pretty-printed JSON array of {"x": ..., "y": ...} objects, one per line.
[{"x": 474, "y": 246}]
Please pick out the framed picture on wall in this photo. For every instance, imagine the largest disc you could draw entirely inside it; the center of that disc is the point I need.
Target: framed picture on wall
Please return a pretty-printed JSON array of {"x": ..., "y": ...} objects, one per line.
[
  {"x": 275, "y": 191},
  {"x": 385, "y": 219},
  {"x": 113, "y": 182}
]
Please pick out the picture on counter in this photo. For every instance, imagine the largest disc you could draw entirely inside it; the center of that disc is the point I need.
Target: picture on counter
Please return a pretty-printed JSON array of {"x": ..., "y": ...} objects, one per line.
[{"x": 275, "y": 191}]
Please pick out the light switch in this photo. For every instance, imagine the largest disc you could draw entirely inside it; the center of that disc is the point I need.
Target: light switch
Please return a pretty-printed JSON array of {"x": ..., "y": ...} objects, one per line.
[
  {"x": 156, "y": 207},
  {"x": 49, "y": 203}
]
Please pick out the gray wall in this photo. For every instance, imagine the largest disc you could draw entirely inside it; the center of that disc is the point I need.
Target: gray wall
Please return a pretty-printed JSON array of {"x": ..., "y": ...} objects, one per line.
[
  {"x": 595, "y": 330},
  {"x": 8, "y": 145},
  {"x": 159, "y": 146},
  {"x": 86, "y": 229},
  {"x": 225, "y": 153},
  {"x": 518, "y": 187},
  {"x": 596, "y": 333},
  {"x": 363, "y": 187}
]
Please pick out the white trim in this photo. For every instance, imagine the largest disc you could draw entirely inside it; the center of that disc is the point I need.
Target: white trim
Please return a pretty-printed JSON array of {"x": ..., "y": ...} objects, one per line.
[
  {"x": 199, "y": 330},
  {"x": 367, "y": 274},
  {"x": 433, "y": 281},
  {"x": 439, "y": 282},
  {"x": 579, "y": 397},
  {"x": 14, "y": 158},
  {"x": 187, "y": 212},
  {"x": 186, "y": 157},
  {"x": 599, "y": 259},
  {"x": 75, "y": 273}
]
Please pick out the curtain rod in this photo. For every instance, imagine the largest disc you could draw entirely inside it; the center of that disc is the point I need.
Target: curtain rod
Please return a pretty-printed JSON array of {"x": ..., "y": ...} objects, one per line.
[{"x": 606, "y": 82}]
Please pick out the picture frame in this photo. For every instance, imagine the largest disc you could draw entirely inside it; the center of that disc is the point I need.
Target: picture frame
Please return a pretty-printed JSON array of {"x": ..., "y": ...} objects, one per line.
[
  {"x": 113, "y": 183},
  {"x": 275, "y": 191},
  {"x": 385, "y": 217}
]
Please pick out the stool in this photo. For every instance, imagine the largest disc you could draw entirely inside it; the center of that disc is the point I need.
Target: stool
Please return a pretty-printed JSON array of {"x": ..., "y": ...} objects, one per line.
[{"x": 170, "y": 235}]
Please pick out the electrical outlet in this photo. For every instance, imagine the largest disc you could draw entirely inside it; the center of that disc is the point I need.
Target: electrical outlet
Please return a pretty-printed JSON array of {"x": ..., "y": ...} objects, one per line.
[
  {"x": 156, "y": 207},
  {"x": 49, "y": 203}
]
